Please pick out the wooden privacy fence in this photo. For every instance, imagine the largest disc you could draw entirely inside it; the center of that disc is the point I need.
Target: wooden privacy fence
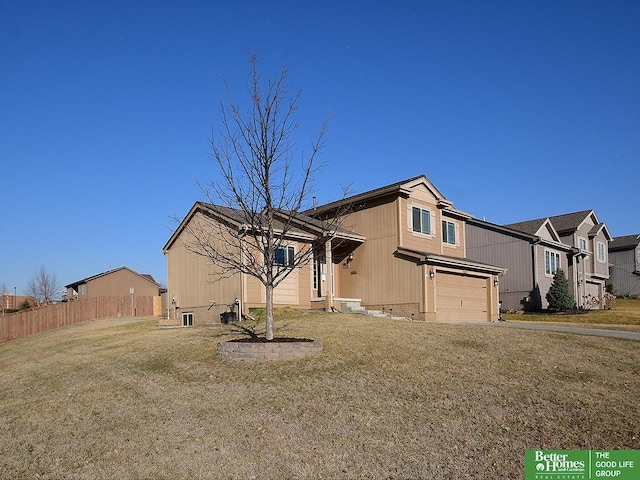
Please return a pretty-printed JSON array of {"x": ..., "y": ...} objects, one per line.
[{"x": 48, "y": 317}]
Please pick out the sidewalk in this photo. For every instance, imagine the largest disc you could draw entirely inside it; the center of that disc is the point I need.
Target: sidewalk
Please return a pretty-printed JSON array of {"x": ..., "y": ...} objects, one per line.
[{"x": 631, "y": 335}]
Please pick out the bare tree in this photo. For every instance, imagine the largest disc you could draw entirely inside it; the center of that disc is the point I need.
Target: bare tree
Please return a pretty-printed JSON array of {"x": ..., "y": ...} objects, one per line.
[
  {"x": 261, "y": 190},
  {"x": 43, "y": 286}
]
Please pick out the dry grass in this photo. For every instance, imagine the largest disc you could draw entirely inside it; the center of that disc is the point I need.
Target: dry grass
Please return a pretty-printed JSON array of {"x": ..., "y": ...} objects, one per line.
[
  {"x": 624, "y": 314},
  {"x": 387, "y": 399}
]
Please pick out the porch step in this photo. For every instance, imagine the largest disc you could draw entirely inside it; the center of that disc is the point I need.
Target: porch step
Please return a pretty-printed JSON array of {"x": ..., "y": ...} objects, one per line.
[{"x": 355, "y": 307}]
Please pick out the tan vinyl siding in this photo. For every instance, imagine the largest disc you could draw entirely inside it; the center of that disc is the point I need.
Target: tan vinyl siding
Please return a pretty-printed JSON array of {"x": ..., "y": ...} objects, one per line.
[
  {"x": 431, "y": 243},
  {"x": 197, "y": 286},
  {"x": 119, "y": 283},
  {"x": 193, "y": 281},
  {"x": 375, "y": 275}
]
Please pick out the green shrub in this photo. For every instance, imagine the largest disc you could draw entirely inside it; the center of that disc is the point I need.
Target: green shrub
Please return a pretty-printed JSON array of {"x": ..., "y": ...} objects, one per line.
[{"x": 559, "y": 297}]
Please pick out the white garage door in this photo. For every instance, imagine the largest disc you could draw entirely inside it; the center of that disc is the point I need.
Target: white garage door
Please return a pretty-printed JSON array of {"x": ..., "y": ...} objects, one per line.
[{"x": 461, "y": 298}]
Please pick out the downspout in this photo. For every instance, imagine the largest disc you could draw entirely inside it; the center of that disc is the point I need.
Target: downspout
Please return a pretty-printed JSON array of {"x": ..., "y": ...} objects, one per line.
[
  {"x": 166, "y": 257},
  {"x": 536, "y": 282}
]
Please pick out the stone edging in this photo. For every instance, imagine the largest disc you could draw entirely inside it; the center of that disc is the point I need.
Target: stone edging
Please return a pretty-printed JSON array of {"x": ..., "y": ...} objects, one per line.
[{"x": 268, "y": 350}]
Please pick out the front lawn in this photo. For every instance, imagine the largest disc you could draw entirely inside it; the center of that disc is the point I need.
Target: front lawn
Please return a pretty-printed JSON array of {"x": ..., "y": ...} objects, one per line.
[
  {"x": 624, "y": 312},
  {"x": 386, "y": 400}
]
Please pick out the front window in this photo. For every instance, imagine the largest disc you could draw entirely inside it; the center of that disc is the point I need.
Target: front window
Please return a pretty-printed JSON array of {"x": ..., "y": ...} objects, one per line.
[
  {"x": 602, "y": 256},
  {"x": 448, "y": 232},
  {"x": 583, "y": 244},
  {"x": 551, "y": 262},
  {"x": 285, "y": 256},
  {"x": 421, "y": 220}
]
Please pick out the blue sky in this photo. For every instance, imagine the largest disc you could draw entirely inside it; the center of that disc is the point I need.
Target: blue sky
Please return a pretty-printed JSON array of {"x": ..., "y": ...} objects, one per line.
[{"x": 515, "y": 111}]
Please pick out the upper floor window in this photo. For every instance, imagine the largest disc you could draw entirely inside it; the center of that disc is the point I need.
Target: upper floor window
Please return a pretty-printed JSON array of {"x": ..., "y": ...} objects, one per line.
[
  {"x": 602, "y": 255},
  {"x": 551, "y": 262},
  {"x": 448, "y": 232},
  {"x": 285, "y": 256},
  {"x": 421, "y": 220},
  {"x": 582, "y": 243}
]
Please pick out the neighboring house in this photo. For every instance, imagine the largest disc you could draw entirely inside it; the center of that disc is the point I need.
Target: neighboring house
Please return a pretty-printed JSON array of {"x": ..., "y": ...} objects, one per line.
[
  {"x": 403, "y": 250},
  {"x": 533, "y": 250},
  {"x": 14, "y": 302},
  {"x": 624, "y": 265},
  {"x": 531, "y": 258},
  {"x": 117, "y": 282}
]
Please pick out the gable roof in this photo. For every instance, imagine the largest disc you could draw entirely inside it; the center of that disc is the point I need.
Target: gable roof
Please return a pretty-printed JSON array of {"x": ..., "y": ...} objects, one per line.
[
  {"x": 145, "y": 276},
  {"x": 627, "y": 242},
  {"x": 530, "y": 226},
  {"x": 397, "y": 189},
  {"x": 563, "y": 224},
  {"x": 570, "y": 222},
  {"x": 297, "y": 224}
]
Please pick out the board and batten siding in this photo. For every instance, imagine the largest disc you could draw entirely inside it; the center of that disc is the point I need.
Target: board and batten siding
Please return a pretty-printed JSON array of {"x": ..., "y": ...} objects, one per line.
[
  {"x": 624, "y": 262},
  {"x": 513, "y": 253}
]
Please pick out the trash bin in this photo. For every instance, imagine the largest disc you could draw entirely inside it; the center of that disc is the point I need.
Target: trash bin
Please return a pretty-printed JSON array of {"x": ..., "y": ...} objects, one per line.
[{"x": 228, "y": 317}]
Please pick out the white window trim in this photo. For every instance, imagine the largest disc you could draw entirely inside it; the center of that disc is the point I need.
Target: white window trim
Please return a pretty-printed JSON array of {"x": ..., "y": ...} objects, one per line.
[
  {"x": 558, "y": 265},
  {"x": 432, "y": 223},
  {"x": 289, "y": 256},
  {"x": 187, "y": 314},
  {"x": 600, "y": 245},
  {"x": 586, "y": 244}
]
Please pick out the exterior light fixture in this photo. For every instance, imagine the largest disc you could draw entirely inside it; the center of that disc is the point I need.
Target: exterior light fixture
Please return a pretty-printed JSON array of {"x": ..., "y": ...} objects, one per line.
[{"x": 432, "y": 273}]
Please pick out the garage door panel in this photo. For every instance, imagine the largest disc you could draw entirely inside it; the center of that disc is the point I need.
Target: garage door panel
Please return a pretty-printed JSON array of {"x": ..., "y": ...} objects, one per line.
[{"x": 461, "y": 298}]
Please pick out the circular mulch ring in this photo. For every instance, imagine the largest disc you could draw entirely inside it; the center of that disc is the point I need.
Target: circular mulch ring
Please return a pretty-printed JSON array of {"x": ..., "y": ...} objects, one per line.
[{"x": 259, "y": 348}]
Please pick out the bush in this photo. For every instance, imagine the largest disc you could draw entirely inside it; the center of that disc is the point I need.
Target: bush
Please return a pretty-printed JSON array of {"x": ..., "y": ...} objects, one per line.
[{"x": 559, "y": 297}]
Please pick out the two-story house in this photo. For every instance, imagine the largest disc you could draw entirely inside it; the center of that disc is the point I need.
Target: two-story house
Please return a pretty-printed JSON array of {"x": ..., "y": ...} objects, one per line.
[
  {"x": 624, "y": 261},
  {"x": 414, "y": 258},
  {"x": 590, "y": 267},
  {"x": 533, "y": 250},
  {"x": 402, "y": 248}
]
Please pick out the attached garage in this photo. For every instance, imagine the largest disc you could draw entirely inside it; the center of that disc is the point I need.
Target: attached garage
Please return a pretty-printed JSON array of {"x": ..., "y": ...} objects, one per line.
[
  {"x": 592, "y": 296},
  {"x": 456, "y": 289},
  {"x": 461, "y": 298}
]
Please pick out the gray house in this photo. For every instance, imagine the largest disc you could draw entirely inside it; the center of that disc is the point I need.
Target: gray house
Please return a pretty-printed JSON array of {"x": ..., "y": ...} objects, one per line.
[
  {"x": 531, "y": 259},
  {"x": 532, "y": 251},
  {"x": 624, "y": 265}
]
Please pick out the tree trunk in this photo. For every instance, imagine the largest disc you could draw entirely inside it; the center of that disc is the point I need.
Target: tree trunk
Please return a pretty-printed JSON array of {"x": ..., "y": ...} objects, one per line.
[{"x": 269, "y": 312}]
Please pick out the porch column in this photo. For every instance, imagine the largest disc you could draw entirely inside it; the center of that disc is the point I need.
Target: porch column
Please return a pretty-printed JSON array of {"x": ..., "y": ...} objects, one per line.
[{"x": 329, "y": 275}]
